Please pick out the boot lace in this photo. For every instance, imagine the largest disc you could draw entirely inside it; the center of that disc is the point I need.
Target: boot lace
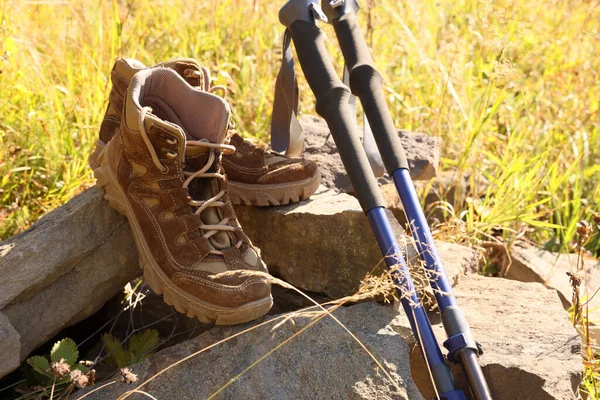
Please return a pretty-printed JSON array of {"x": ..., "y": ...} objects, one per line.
[{"x": 209, "y": 229}]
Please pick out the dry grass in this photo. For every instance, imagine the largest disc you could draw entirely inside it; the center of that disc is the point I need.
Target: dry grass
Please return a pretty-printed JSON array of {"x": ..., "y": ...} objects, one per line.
[{"x": 511, "y": 86}]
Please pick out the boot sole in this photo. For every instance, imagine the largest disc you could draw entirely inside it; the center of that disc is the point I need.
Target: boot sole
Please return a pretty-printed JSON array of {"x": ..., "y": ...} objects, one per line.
[
  {"x": 274, "y": 194},
  {"x": 160, "y": 283},
  {"x": 252, "y": 194}
]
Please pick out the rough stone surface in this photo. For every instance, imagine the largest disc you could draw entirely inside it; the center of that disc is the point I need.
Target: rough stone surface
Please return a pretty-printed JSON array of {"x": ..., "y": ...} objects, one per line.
[
  {"x": 65, "y": 267},
  {"x": 80, "y": 255},
  {"x": 458, "y": 260},
  {"x": 530, "y": 264},
  {"x": 10, "y": 346},
  {"x": 326, "y": 244},
  {"x": 322, "y": 245},
  {"x": 531, "y": 352},
  {"x": 422, "y": 151},
  {"x": 323, "y": 362},
  {"x": 56, "y": 244}
]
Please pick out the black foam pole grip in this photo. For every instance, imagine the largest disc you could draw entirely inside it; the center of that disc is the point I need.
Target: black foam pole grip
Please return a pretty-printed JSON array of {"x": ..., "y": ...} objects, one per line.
[
  {"x": 366, "y": 83},
  {"x": 332, "y": 104}
]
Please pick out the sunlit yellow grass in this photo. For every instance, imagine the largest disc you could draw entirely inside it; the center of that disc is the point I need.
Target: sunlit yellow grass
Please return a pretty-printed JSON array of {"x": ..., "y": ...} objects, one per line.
[{"x": 512, "y": 88}]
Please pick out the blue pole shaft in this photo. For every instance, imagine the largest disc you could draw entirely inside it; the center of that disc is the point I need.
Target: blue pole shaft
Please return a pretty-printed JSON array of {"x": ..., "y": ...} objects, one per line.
[
  {"x": 404, "y": 285},
  {"x": 412, "y": 305},
  {"x": 423, "y": 238},
  {"x": 453, "y": 319}
]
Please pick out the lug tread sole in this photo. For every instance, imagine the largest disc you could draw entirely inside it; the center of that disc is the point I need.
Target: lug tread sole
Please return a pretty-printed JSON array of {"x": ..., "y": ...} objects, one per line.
[{"x": 274, "y": 194}]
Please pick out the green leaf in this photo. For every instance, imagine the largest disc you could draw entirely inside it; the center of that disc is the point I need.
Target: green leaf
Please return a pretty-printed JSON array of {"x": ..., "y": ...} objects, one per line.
[
  {"x": 141, "y": 345},
  {"x": 117, "y": 356},
  {"x": 66, "y": 349},
  {"x": 39, "y": 364}
]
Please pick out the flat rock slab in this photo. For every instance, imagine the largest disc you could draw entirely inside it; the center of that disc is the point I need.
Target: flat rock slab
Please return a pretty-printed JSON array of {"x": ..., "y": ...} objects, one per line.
[
  {"x": 65, "y": 267},
  {"x": 74, "y": 259},
  {"x": 422, "y": 152},
  {"x": 322, "y": 362},
  {"x": 531, "y": 351},
  {"x": 326, "y": 244},
  {"x": 530, "y": 264}
]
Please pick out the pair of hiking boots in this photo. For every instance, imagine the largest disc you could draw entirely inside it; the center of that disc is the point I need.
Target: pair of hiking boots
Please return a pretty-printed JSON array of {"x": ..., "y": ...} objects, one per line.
[{"x": 166, "y": 160}]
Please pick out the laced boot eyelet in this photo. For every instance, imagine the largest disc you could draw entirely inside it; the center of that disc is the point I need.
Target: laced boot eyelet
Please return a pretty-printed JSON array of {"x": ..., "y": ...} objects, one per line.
[
  {"x": 191, "y": 73},
  {"x": 168, "y": 139},
  {"x": 171, "y": 155}
]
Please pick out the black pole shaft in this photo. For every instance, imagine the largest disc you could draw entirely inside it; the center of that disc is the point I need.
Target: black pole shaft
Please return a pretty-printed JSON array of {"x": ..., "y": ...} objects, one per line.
[{"x": 366, "y": 83}]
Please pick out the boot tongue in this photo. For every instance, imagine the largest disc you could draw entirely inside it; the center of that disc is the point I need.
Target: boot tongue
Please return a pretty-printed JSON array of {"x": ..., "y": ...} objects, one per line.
[
  {"x": 203, "y": 189},
  {"x": 195, "y": 158}
]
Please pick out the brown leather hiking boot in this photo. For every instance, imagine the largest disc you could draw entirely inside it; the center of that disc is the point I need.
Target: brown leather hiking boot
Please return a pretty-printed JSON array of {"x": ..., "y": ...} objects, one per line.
[
  {"x": 256, "y": 176},
  {"x": 163, "y": 171},
  {"x": 264, "y": 178}
]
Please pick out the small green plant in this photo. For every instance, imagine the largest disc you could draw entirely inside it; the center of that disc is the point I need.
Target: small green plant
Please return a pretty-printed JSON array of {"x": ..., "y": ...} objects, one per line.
[
  {"x": 139, "y": 347},
  {"x": 61, "y": 373}
]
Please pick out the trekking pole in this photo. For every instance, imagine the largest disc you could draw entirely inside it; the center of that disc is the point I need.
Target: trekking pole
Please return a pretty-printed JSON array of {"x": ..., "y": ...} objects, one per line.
[
  {"x": 299, "y": 17},
  {"x": 366, "y": 83}
]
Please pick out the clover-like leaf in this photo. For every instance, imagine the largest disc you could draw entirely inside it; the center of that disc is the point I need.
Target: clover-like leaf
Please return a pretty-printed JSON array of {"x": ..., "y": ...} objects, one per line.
[
  {"x": 141, "y": 345},
  {"x": 65, "y": 349},
  {"x": 39, "y": 364},
  {"x": 117, "y": 355}
]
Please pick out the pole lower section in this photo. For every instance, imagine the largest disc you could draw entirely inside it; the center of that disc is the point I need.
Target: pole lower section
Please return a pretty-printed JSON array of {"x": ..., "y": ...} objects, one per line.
[
  {"x": 461, "y": 345},
  {"x": 332, "y": 104},
  {"x": 417, "y": 317},
  {"x": 423, "y": 238}
]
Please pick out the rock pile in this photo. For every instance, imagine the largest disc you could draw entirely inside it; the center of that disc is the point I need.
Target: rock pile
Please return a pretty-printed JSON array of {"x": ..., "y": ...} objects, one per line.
[{"x": 73, "y": 260}]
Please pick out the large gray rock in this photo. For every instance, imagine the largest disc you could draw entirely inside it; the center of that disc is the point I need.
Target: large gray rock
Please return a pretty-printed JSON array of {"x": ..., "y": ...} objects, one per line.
[
  {"x": 74, "y": 259},
  {"x": 531, "y": 351},
  {"x": 422, "y": 152},
  {"x": 530, "y": 264},
  {"x": 326, "y": 244},
  {"x": 10, "y": 346},
  {"x": 322, "y": 362},
  {"x": 65, "y": 267},
  {"x": 56, "y": 244},
  {"x": 322, "y": 245}
]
